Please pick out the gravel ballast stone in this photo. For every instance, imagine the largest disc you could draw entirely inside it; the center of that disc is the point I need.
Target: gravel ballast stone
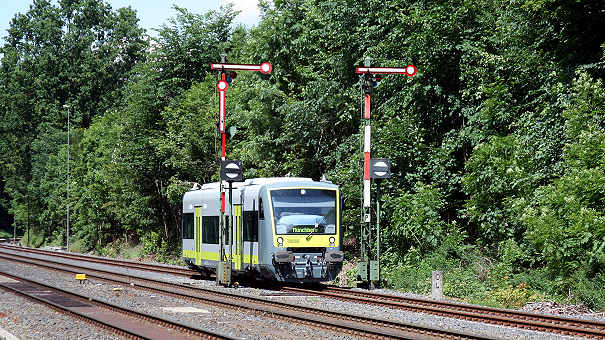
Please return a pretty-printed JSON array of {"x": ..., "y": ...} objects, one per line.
[{"x": 238, "y": 323}]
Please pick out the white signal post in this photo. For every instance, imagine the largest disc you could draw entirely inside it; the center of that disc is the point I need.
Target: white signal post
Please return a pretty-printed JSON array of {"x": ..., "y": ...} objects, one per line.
[
  {"x": 368, "y": 71},
  {"x": 222, "y": 85}
]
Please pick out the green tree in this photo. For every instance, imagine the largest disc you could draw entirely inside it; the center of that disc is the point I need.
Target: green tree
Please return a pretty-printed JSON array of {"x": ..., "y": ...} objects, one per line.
[
  {"x": 564, "y": 220},
  {"x": 77, "y": 53}
]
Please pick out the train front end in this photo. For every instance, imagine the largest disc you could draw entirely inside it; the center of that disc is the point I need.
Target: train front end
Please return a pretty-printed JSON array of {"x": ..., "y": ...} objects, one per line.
[{"x": 303, "y": 230}]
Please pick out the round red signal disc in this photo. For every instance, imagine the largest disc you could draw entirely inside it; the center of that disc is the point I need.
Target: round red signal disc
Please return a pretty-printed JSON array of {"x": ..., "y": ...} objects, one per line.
[
  {"x": 222, "y": 85},
  {"x": 411, "y": 70},
  {"x": 266, "y": 67}
]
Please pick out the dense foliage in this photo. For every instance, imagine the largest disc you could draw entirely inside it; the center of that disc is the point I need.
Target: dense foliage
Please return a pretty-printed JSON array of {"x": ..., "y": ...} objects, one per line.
[{"x": 497, "y": 145}]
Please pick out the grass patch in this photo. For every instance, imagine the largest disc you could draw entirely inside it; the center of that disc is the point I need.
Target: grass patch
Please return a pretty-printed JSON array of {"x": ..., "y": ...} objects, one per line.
[{"x": 471, "y": 276}]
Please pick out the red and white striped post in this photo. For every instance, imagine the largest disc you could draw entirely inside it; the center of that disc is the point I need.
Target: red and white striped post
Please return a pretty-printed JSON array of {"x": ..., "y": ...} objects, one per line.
[
  {"x": 410, "y": 71},
  {"x": 222, "y": 85},
  {"x": 368, "y": 71}
]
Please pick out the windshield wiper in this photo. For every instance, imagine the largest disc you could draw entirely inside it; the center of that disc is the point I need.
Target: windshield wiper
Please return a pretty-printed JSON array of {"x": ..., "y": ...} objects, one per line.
[
  {"x": 317, "y": 225},
  {"x": 311, "y": 233}
]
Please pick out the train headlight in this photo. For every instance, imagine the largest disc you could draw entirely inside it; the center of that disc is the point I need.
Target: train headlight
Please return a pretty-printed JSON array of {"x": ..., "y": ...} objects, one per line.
[
  {"x": 280, "y": 241},
  {"x": 332, "y": 240}
]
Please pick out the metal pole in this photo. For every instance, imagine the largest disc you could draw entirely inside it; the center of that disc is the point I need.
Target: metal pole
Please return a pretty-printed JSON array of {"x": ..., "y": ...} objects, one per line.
[
  {"x": 68, "y": 127},
  {"x": 28, "y": 218},
  {"x": 230, "y": 230},
  {"x": 378, "y": 227},
  {"x": 366, "y": 226},
  {"x": 222, "y": 109}
]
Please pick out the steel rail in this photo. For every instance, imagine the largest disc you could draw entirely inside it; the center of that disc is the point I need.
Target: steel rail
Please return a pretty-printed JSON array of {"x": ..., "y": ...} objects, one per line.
[
  {"x": 130, "y": 264},
  {"x": 506, "y": 317},
  {"x": 123, "y": 328},
  {"x": 314, "y": 317}
]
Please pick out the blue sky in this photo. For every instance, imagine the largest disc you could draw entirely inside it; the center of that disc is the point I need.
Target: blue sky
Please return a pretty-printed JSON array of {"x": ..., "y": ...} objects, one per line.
[{"x": 151, "y": 13}]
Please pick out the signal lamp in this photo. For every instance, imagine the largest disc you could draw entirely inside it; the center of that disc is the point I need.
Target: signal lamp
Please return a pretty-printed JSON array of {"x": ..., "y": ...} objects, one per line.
[
  {"x": 266, "y": 67},
  {"x": 376, "y": 81},
  {"x": 222, "y": 85},
  {"x": 233, "y": 75},
  {"x": 411, "y": 70}
]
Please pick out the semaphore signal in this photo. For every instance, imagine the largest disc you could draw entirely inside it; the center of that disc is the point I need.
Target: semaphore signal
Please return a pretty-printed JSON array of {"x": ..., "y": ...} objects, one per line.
[
  {"x": 223, "y": 273},
  {"x": 376, "y": 168}
]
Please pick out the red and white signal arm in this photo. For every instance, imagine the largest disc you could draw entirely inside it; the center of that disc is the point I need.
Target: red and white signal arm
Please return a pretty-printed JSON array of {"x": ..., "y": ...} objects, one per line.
[
  {"x": 409, "y": 70},
  {"x": 264, "y": 68}
]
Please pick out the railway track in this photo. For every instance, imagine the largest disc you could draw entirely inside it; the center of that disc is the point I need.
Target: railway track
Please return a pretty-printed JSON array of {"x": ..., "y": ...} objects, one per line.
[
  {"x": 341, "y": 322},
  {"x": 122, "y": 321},
  {"x": 184, "y": 272},
  {"x": 505, "y": 317}
]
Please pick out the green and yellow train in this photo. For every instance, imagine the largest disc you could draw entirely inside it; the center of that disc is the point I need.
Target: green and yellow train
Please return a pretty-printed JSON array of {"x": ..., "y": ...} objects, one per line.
[{"x": 284, "y": 229}]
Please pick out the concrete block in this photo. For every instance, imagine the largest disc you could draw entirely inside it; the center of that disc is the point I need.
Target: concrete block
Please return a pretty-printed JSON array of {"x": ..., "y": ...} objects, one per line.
[{"x": 437, "y": 291}]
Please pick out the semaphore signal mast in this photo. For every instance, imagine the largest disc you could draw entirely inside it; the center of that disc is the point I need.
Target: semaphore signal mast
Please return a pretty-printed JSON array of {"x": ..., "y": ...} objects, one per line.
[
  {"x": 378, "y": 168},
  {"x": 230, "y": 170}
]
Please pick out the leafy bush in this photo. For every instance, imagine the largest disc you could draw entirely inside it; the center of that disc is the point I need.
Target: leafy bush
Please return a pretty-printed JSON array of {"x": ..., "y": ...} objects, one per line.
[
  {"x": 565, "y": 220},
  {"x": 413, "y": 272},
  {"x": 36, "y": 239},
  {"x": 495, "y": 173},
  {"x": 162, "y": 251},
  {"x": 416, "y": 220}
]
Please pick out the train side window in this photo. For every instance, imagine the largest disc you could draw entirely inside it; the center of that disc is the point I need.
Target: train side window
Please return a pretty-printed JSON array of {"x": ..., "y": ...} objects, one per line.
[
  {"x": 227, "y": 230},
  {"x": 251, "y": 226},
  {"x": 261, "y": 211},
  {"x": 210, "y": 229},
  {"x": 188, "y": 226}
]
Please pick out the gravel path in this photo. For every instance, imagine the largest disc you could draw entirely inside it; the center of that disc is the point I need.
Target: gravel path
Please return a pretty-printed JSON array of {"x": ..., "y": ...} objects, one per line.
[{"x": 245, "y": 325}]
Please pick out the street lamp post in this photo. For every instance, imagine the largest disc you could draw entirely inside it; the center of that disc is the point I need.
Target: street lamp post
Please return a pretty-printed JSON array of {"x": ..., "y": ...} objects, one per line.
[{"x": 68, "y": 126}]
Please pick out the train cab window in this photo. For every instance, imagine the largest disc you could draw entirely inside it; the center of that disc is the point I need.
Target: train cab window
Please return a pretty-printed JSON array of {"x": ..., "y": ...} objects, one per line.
[
  {"x": 188, "y": 226},
  {"x": 250, "y": 226},
  {"x": 261, "y": 211},
  {"x": 210, "y": 229}
]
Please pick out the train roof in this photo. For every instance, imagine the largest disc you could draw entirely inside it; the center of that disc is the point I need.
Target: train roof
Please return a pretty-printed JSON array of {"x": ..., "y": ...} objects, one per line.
[
  {"x": 254, "y": 184},
  {"x": 250, "y": 188},
  {"x": 258, "y": 181}
]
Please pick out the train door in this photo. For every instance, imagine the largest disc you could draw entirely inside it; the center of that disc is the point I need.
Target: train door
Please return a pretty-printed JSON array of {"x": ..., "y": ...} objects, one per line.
[
  {"x": 237, "y": 237},
  {"x": 188, "y": 236},
  {"x": 198, "y": 235}
]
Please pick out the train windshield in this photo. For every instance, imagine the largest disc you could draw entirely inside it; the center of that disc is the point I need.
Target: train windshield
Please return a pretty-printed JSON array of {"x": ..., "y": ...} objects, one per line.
[{"x": 304, "y": 211}]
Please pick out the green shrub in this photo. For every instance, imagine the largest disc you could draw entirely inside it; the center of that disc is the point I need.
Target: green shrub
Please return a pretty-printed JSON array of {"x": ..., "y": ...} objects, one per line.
[
  {"x": 416, "y": 220},
  {"x": 588, "y": 291},
  {"x": 35, "y": 241},
  {"x": 162, "y": 251},
  {"x": 414, "y": 272}
]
